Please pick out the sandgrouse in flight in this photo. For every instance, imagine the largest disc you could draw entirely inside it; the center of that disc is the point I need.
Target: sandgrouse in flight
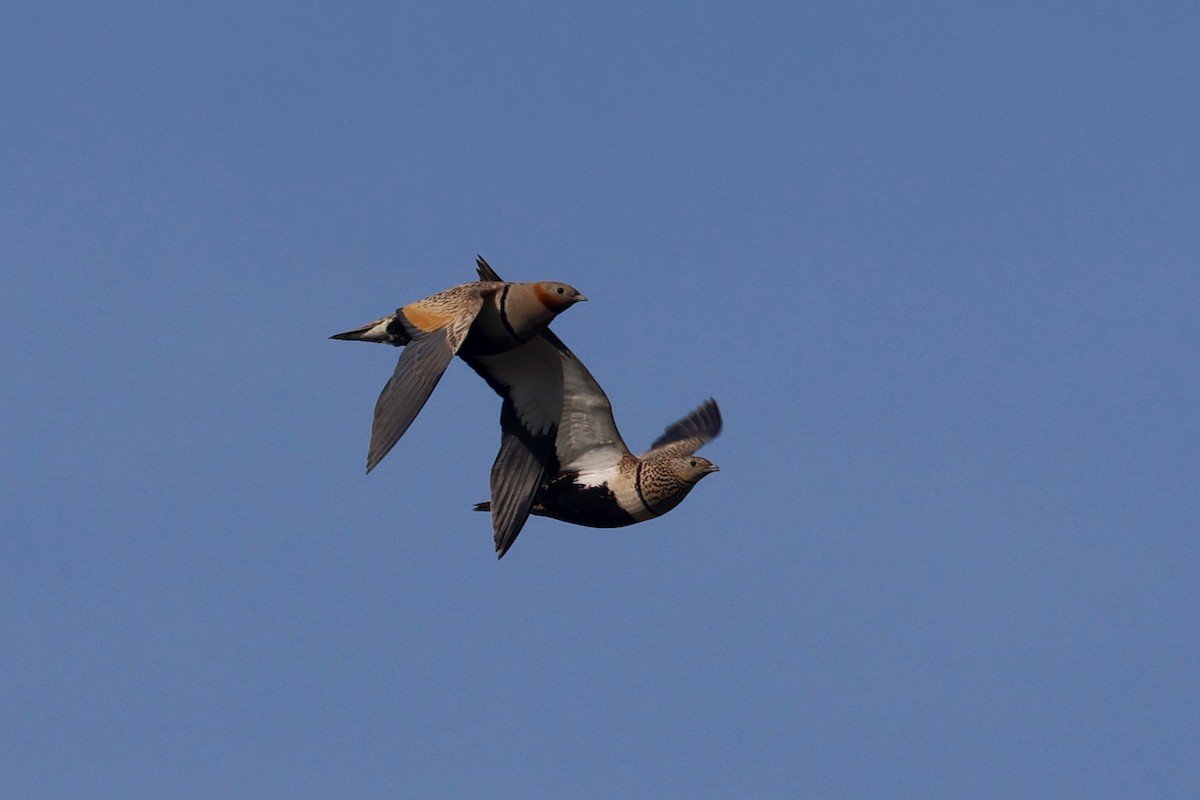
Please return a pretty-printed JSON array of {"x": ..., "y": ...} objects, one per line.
[
  {"x": 591, "y": 477},
  {"x": 474, "y": 320}
]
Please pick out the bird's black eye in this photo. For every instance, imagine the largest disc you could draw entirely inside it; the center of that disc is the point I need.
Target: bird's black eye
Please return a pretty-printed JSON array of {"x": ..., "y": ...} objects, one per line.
[
  {"x": 561, "y": 290},
  {"x": 692, "y": 462}
]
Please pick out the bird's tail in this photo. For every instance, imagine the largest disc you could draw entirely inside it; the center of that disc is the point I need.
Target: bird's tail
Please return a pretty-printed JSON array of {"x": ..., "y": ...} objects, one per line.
[{"x": 387, "y": 330}]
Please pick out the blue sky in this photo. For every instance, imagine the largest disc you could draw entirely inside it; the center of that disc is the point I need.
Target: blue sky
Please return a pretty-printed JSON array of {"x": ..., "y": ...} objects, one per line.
[{"x": 938, "y": 263}]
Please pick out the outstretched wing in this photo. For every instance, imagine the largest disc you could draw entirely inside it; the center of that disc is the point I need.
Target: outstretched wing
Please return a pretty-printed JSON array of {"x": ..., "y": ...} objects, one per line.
[
  {"x": 689, "y": 434},
  {"x": 587, "y": 434},
  {"x": 588, "y": 439},
  {"x": 529, "y": 379},
  {"x": 516, "y": 475},
  {"x": 554, "y": 413},
  {"x": 436, "y": 330}
]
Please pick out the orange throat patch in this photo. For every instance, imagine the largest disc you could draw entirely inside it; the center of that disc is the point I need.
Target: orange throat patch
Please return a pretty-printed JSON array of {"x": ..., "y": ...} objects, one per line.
[{"x": 549, "y": 299}]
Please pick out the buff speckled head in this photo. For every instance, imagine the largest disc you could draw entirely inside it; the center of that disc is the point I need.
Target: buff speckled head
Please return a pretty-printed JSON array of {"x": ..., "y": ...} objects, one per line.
[{"x": 692, "y": 468}]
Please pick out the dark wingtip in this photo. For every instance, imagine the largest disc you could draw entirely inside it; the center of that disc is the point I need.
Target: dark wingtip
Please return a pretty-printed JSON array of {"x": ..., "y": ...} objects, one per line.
[
  {"x": 710, "y": 405},
  {"x": 504, "y": 547},
  {"x": 486, "y": 273},
  {"x": 703, "y": 421}
]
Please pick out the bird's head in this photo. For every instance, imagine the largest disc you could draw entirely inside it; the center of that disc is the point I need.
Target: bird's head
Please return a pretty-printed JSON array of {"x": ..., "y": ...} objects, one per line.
[
  {"x": 690, "y": 469},
  {"x": 557, "y": 297}
]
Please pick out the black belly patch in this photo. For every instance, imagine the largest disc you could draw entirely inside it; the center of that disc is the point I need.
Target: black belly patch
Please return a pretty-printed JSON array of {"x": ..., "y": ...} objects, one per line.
[{"x": 593, "y": 506}]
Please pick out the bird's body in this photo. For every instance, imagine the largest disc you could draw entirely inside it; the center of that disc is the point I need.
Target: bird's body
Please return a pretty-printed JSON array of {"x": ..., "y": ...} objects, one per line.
[
  {"x": 483, "y": 319},
  {"x": 499, "y": 315},
  {"x": 591, "y": 478},
  {"x": 473, "y": 319},
  {"x": 633, "y": 489}
]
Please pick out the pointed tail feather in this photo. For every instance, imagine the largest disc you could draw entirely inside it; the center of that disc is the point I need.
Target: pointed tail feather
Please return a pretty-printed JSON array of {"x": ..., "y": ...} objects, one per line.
[{"x": 388, "y": 330}]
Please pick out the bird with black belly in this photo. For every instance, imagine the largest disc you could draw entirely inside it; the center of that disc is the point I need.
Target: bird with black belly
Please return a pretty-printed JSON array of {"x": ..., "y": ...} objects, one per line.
[
  {"x": 591, "y": 477},
  {"x": 611, "y": 488}
]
